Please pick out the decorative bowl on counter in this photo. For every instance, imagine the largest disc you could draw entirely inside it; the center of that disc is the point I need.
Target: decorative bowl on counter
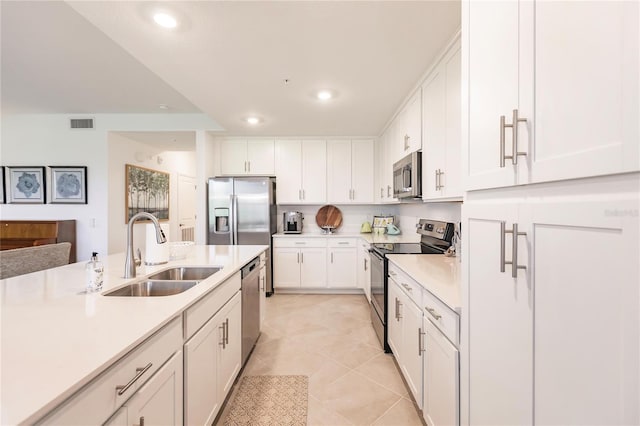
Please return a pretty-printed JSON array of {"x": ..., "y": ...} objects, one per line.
[{"x": 329, "y": 218}]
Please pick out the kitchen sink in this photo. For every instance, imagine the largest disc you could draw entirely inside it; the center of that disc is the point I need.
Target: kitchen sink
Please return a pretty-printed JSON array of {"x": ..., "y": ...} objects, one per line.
[
  {"x": 149, "y": 288},
  {"x": 185, "y": 273}
]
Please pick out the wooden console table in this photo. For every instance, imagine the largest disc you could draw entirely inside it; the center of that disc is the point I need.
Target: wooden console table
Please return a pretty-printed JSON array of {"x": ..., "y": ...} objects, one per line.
[{"x": 27, "y": 233}]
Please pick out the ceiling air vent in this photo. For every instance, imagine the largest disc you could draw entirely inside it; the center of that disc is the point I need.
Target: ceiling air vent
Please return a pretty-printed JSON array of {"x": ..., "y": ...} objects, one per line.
[{"x": 81, "y": 123}]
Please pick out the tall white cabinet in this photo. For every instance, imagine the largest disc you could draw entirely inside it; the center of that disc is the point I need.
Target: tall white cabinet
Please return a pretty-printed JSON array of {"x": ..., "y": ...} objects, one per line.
[
  {"x": 350, "y": 171},
  {"x": 301, "y": 171},
  {"x": 550, "y": 258}
]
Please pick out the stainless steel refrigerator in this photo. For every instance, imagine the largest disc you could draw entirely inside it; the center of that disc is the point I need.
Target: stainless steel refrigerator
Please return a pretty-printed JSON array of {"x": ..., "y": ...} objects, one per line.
[{"x": 242, "y": 210}]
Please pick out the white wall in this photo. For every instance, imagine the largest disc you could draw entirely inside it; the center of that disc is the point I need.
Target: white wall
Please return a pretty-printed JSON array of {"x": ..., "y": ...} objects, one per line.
[
  {"x": 46, "y": 140},
  {"x": 122, "y": 151}
]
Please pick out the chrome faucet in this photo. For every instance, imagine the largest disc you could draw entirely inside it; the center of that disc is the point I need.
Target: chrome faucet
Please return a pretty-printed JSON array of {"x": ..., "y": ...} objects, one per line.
[{"x": 130, "y": 261}]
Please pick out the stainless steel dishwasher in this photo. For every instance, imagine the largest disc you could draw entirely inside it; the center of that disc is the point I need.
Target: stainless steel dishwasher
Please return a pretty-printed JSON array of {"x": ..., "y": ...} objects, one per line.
[{"x": 250, "y": 289}]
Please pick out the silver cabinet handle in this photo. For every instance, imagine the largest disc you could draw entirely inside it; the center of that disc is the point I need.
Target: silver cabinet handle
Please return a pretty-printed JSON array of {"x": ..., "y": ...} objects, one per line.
[
  {"x": 261, "y": 283},
  {"x": 303, "y": 195},
  {"x": 514, "y": 248},
  {"x": 433, "y": 313},
  {"x": 392, "y": 273},
  {"x": 245, "y": 166},
  {"x": 141, "y": 422},
  {"x": 139, "y": 372},
  {"x": 420, "y": 342},
  {"x": 302, "y": 243},
  {"x": 301, "y": 257},
  {"x": 406, "y": 142},
  {"x": 397, "y": 317},
  {"x": 388, "y": 190},
  {"x": 331, "y": 257},
  {"x": 249, "y": 166},
  {"x": 440, "y": 185},
  {"x": 365, "y": 264},
  {"x": 298, "y": 261},
  {"x": 436, "y": 173},
  {"x": 226, "y": 331},
  {"x": 300, "y": 194},
  {"x": 514, "y": 139},
  {"x": 343, "y": 242},
  {"x": 224, "y": 342},
  {"x": 399, "y": 310},
  {"x": 381, "y": 192},
  {"x": 407, "y": 287}
]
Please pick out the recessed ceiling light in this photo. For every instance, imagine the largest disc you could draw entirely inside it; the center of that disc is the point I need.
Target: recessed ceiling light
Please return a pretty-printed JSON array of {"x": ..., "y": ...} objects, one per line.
[
  {"x": 165, "y": 20},
  {"x": 253, "y": 120},
  {"x": 324, "y": 95}
]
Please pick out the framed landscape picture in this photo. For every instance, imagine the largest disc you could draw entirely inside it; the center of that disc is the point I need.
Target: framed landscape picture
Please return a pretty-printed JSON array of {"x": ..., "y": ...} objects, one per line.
[
  {"x": 25, "y": 185},
  {"x": 68, "y": 185},
  {"x": 146, "y": 190}
]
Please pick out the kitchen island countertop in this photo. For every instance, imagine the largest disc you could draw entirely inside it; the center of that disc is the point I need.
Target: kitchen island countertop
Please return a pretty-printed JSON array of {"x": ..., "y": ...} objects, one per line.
[{"x": 56, "y": 338}]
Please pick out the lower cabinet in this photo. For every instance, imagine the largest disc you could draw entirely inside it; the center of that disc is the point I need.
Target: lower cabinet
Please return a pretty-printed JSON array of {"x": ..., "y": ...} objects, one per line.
[
  {"x": 342, "y": 257},
  {"x": 159, "y": 401},
  {"x": 363, "y": 272},
  {"x": 295, "y": 268},
  {"x": 212, "y": 362},
  {"x": 441, "y": 378}
]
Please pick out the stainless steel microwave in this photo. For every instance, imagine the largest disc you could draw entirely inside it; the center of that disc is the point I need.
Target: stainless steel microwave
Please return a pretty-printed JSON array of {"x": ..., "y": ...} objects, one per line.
[{"x": 407, "y": 176}]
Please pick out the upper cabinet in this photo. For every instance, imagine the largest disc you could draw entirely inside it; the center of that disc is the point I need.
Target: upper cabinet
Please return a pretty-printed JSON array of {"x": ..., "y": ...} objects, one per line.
[
  {"x": 410, "y": 125},
  {"x": 301, "y": 171},
  {"x": 550, "y": 99},
  {"x": 441, "y": 103},
  {"x": 350, "y": 171},
  {"x": 247, "y": 157}
]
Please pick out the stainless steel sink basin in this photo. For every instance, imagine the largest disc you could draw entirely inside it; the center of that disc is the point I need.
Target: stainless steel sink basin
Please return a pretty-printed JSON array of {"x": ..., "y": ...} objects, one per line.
[
  {"x": 147, "y": 288},
  {"x": 185, "y": 273}
]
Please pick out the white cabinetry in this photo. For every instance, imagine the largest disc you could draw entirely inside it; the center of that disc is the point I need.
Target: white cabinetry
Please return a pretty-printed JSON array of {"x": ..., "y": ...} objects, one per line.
[
  {"x": 101, "y": 398},
  {"x": 405, "y": 330},
  {"x": 299, "y": 262},
  {"x": 363, "y": 269},
  {"x": 342, "y": 260},
  {"x": 247, "y": 157},
  {"x": 350, "y": 171},
  {"x": 301, "y": 170},
  {"x": 385, "y": 168},
  {"x": 574, "y": 88},
  {"x": 577, "y": 256},
  {"x": 213, "y": 353},
  {"x": 409, "y": 126},
  {"x": 441, "y": 168},
  {"x": 159, "y": 401}
]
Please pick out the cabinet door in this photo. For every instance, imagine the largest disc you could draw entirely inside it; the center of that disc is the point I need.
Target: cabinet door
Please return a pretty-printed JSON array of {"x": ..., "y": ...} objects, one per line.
[
  {"x": 314, "y": 171},
  {"x": 362, "y": 162},
  {"x": 388, "y": 160},
  {"x": 119, "y": 418},
  {"x": 434, "y": 122},
  {"x": 583, "y": 105},
  {"x": 587, "y": 359},
  {"x": 499, "y": 319},
  {"x": 288, "y": 171},
  {"x": 339, "y": 171},
  {"x": 394, "y": 318},
  {"x": 229, "y": 354},
  {"x": 233, "y": 157},
  {"x": 202, "y": 401},
  {"x": 412, "y": 137},
  {"x": 260, "y": 157},
  {"x": 362, "y": 273},
  {"x": 412, "y": 347},
  {"x": 313, "y": 267},
  {"x": 342, "y": 268},
  {"x": 492, "y": 32},
  {"x": 286, "y": 267},
  {"x": 159, "y": 401},
  {"x": 441, "y": 379},
  {"x": 450, "y": 180}
]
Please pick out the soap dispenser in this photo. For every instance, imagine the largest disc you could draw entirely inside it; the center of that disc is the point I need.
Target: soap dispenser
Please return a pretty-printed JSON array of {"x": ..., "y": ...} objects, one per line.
[{"x": 95, "y": 274}]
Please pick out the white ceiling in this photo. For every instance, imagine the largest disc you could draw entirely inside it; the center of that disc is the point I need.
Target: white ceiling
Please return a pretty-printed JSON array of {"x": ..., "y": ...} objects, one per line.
[{"x": 226, "y": 58}]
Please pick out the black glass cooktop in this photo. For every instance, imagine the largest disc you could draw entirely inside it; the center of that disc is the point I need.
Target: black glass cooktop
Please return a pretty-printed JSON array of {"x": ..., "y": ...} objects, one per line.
[{"x": 407, "y": 248}]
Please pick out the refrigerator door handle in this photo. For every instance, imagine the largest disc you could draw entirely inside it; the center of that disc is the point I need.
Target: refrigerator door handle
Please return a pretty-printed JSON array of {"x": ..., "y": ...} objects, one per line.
[{"x": 234, "y": 215}]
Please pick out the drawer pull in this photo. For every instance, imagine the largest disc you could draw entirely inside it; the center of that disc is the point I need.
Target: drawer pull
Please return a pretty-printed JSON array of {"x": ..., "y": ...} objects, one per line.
[
  {"x": 407, "y": 287},
  {"x": 343, "y": 242},
  {"x": 141, "y": 422},
  {"x": 420, "y": 341},
  {"x": 139, "y": 372},
  {"x": 433, "y": 313},
  {"x": 392, "y": 273},
  {"x": 300, "y": 243}
]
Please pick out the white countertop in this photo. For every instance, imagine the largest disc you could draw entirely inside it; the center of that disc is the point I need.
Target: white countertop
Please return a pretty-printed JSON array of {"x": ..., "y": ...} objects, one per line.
[
  {"x": 56, "y": 339},
  {"x": 370, "y": 237},
  {"x": 439, "y": 274}
]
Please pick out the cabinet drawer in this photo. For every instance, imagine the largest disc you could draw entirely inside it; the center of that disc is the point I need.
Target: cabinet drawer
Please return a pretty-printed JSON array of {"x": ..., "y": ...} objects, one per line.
[
  {"x": 408, "y": 285},
  {"x": 447, "y": 320},
  {"x": 342, "y": 242},
  {"x": 98, "y": 400},
  {"x": 300, "y": 242},
  {"x": 198, "y": 314}
]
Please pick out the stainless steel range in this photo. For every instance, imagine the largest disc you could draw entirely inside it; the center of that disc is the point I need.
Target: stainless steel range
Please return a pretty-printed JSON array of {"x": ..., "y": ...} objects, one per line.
[{"x": 435, "y": 239}]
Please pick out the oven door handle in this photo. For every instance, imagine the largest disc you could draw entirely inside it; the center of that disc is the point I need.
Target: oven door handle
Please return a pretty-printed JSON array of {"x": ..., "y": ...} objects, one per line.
[{"x": 375, "y": 253}]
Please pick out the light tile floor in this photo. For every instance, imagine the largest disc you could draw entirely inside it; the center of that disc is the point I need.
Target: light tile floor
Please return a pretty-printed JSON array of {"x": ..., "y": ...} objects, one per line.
[{"x": 330, "y": 339}]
